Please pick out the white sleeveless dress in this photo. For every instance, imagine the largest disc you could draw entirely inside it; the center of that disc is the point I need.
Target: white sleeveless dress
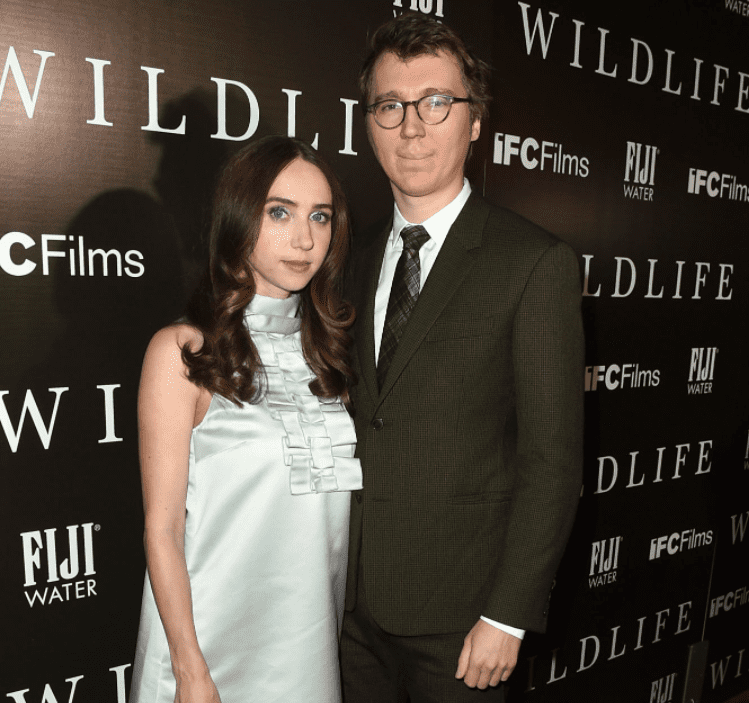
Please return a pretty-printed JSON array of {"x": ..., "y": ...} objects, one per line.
[{"x": 266, "y": 535}]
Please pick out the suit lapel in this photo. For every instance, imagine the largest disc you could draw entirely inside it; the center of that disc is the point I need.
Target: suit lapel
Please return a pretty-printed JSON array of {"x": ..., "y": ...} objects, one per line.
[
  {"x": 453, "y": 263},
  {"x": 370, "y": 263}
]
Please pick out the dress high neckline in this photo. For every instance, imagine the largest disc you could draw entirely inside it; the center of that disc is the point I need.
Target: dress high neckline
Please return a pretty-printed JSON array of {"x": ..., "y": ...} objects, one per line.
[{"x": 276, "y": 315}]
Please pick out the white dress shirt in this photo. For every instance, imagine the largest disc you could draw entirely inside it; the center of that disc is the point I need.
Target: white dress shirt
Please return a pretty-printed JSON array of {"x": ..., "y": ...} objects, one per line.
[{"x": 438, "y": 225}]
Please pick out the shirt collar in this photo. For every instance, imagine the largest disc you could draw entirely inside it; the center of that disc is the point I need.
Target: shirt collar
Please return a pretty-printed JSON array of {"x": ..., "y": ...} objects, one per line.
[{"x": 438, "y": 225}]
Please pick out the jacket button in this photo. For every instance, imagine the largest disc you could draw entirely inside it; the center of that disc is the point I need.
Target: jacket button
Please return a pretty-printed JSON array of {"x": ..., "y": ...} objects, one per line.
[
  {"x": 358, "y": 497},
  {"x": 377, "y": 423}
]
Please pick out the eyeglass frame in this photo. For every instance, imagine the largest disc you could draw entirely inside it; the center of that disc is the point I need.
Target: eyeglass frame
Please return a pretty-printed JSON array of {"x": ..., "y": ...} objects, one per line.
[{"x": 405, "y": 103}]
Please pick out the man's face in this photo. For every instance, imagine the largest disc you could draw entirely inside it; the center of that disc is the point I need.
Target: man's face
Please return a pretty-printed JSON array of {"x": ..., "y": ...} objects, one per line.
[{"x": 420, "y": 159}]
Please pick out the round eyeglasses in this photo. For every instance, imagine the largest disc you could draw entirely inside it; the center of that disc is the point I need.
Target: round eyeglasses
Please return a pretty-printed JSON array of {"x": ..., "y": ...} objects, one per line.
[{"x": 431, "y": 109}]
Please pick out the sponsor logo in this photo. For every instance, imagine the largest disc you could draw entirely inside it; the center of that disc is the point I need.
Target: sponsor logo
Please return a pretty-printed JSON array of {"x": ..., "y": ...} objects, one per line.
[
  {"x": 686, "y": 280},
  {"x": 50, "y": 578},
  {"x": 729, "y": 601},
  {"x": 639, "y": 173},
  {"x": 701, "y": 370},
  {"x": 594, "y": 649},
  {"x": 604, "y": 560},
  {"x": 739, "y": 523},
  {"x": 700, "y": 463},
  {"x": 626, "y": 376},
  {"x": 662, "y": 690},
  {"x": 738, "y": 6},
  {"x": 545, "y": 156},
  {"x": 61, "y": 692},
  {"x": 44, "y": 429},
  {"x": 634, "y": 60},
  {"x": 717, "y": 185},
  {"x": 81, "y": 260},
  {"x": 28, "y": 98},
  {"x": 679, "y": 542},
  {"x": 424, "y": 6}
]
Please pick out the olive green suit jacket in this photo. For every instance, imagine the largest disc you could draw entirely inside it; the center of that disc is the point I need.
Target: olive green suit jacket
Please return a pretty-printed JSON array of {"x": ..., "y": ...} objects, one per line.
[{"x": 472, "y": 450}]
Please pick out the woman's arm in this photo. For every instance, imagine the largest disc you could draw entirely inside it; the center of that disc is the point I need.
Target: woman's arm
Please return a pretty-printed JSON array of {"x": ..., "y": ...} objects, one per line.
[{"x": 168, "y": 407}]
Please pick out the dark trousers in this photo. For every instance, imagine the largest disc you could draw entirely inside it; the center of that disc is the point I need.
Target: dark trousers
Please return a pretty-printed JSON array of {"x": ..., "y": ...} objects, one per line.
[{"x": 377, "y": 667}]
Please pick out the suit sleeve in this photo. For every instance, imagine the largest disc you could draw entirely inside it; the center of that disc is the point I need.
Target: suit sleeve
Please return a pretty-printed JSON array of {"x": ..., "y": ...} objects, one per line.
[{"x": 548, "y": 360}]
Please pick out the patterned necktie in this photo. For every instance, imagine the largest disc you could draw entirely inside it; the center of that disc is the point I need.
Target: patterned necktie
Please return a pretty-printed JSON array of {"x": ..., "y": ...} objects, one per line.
[{"x": 403, "y": 295}]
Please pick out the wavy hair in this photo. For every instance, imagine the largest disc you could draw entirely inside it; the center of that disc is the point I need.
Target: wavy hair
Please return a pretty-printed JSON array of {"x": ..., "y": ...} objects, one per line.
[
  {"x": 228, "y": 362},
  {"x": 413, "y": 34}
]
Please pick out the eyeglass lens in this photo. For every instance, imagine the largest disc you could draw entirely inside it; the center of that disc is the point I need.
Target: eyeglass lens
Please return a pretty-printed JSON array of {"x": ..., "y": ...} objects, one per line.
[{"x": 432, "y": 109}]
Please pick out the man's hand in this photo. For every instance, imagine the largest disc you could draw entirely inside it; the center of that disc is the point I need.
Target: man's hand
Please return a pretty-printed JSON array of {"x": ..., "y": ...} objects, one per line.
[{"x": 489, "y": 656}]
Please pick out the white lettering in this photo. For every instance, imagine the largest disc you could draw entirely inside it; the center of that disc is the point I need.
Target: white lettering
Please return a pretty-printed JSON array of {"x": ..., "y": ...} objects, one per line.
[
  {"x": 254, "y": 111},
  {"x": 530, "y": 37},
  {"x": 110, "y": 434},
  {"x": 12, "y": 65},
  {"x": 347, "y": 148},
  {"x": 99, "y": 118},
  {"x": 636, "y": 44},
  {"x": 153, "y": 105},
  {"x": 6, "y": 262},
  {"x": 29, "y": 406}
]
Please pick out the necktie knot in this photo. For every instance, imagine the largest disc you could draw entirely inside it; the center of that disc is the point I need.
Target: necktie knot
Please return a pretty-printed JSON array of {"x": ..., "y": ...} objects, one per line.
[{"x": 414, "y": 237}]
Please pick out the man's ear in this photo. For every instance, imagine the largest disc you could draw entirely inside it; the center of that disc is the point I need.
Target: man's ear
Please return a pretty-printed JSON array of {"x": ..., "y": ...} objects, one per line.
[{"x": 475, "y": 129}]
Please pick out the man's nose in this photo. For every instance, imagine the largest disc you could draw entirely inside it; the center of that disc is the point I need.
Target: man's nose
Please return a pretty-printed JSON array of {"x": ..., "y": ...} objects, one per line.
[{"x": 412, "y": 126}]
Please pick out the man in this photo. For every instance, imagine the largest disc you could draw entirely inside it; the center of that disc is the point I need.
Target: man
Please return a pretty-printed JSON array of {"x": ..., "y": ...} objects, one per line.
[{"x": 469, "y": 404}]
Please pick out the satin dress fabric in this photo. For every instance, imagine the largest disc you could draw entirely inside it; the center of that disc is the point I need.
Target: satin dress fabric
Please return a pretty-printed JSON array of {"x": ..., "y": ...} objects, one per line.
[{"x": 266, "y": 534}]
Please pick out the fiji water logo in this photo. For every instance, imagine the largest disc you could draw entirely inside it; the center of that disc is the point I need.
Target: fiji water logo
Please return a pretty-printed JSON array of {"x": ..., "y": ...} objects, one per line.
[{"x": 55, "y": 571}]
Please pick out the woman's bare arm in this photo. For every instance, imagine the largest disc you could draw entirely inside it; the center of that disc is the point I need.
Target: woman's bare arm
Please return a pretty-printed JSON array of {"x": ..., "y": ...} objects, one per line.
[{"x": 168, "y": 407}]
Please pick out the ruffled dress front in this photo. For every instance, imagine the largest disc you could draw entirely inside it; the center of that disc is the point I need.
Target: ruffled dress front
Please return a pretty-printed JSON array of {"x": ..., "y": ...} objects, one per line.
[{"x": 266, "y": 534}]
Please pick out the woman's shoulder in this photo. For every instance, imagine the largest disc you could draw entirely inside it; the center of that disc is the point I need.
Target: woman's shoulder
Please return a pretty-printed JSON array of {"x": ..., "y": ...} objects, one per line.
[
  {"x": 163, "y": 358},
  {"x": 165, "y": 385},
  {"x": 175, "y": 337}
]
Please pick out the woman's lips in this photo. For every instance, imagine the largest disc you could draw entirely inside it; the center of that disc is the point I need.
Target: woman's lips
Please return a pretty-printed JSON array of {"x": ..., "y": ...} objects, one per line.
[{"x": 297, "y": 265}]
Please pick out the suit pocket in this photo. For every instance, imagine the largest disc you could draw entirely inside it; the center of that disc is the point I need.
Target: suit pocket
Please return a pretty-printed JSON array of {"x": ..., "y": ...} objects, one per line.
[{"x": 487, "y": 497}]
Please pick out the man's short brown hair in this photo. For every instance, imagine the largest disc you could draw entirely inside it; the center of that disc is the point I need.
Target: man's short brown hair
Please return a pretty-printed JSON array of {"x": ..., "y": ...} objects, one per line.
[{"x": 413, "y": 34}]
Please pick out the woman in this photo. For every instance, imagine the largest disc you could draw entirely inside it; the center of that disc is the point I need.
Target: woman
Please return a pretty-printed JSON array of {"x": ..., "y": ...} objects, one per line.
[{"x": 247, "y": 449}]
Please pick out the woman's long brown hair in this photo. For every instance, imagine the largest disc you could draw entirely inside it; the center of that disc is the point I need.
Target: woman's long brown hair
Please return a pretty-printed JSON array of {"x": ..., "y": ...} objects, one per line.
[{"x": 228, "y": 362}]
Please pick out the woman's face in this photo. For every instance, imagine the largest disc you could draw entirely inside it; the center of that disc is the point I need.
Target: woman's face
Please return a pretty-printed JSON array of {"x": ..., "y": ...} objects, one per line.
[{"x": 295, "y": 230}]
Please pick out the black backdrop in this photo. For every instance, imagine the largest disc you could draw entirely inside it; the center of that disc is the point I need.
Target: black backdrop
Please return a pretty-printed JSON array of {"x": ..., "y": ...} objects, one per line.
[{"x": 621, "y": 127}]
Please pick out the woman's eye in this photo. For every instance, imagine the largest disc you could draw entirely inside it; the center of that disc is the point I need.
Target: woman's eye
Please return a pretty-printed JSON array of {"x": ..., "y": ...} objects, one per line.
[
  {"x": 322, "y": 217},
  {"x": 278, "y": 213}
]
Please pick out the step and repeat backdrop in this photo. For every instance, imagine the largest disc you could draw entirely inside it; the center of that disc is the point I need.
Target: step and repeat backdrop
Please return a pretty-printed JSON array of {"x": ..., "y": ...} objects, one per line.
[{"x": 621, "y": 127}]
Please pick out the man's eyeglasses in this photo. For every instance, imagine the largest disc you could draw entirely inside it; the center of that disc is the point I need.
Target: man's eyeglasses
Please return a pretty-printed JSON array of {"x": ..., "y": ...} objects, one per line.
[{"x": 431, "y": 109}]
